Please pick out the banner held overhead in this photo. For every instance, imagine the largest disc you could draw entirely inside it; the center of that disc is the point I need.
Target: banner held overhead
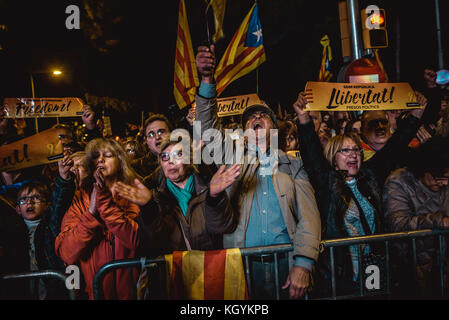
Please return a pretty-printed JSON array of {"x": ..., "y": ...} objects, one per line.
[
  {"x": 42, "y": 107},
  {"x": 327, "y": 96}
]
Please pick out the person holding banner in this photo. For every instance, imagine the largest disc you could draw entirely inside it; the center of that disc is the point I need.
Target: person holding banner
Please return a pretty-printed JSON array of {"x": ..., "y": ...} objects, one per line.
[
  {"x": 100, "y": 226},
  {"x": 349, "y": 190}
]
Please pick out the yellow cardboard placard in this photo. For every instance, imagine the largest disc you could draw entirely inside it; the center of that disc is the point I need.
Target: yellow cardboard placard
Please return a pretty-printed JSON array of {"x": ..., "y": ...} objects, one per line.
[
  {"x": 42, "y": 107},
  {"x": 330, "y": 96},
  {"x": 231, "y": 106},
  {"x": 41, "y": 148}
]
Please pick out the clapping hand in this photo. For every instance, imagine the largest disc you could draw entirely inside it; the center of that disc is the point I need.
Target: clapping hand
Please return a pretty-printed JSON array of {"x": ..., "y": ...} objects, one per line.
[
  {"x": 138, "y": 194},
  {"x": 223, "y": 178}
]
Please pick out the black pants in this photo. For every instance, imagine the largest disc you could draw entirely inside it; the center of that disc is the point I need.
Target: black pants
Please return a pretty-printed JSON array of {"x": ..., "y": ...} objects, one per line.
[{"x": 262, "y": 275}]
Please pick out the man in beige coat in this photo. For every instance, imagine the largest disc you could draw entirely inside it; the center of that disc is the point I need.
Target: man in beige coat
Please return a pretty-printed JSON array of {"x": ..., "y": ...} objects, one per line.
[{"x": 273, "y": 197}]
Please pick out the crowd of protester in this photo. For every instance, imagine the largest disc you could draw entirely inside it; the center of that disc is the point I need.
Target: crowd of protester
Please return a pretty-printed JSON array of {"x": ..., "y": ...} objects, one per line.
[{"x": 339, "y": 174}]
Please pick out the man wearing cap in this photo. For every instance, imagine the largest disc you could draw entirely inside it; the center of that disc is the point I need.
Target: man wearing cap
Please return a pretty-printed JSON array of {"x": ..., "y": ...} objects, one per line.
[{"x": 273, "y": 197}]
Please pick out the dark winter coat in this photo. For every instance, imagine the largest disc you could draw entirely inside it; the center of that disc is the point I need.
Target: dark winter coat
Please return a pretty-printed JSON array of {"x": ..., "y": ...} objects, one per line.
[{"x": 333, "y": 195}]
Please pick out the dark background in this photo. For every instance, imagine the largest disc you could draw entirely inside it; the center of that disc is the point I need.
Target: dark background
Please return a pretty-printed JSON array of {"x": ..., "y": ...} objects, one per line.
[{"x": 139, "y": 68}]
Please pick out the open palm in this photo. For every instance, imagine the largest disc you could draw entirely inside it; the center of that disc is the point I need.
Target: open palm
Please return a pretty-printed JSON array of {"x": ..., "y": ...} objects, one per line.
[{"x": 223, "y": 178}]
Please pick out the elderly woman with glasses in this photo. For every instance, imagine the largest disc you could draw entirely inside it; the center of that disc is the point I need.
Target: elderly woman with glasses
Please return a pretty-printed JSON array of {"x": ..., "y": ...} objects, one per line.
[
  {"x": 184, "y": 212},
  {"x": 348, "y": 190}
]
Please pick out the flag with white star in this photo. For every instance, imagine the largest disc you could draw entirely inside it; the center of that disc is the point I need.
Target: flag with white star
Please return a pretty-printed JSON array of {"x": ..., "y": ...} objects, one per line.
[
  {"x": 254, "y": 35},
  {"x": 244, "y": 53}
]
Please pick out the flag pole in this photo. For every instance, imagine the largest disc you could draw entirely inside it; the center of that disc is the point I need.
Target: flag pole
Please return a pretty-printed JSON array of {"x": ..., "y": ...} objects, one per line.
[
  {"x": 257, "y": 69},
  {"x": 207, "y": 26}
]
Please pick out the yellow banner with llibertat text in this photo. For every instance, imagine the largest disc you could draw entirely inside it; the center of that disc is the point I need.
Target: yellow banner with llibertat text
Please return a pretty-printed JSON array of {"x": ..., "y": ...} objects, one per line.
[{"x": 329, "y": 96}]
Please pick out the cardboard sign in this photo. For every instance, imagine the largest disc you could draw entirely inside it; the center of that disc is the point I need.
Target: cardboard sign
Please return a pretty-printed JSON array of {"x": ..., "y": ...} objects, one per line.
[
  {"x": 231, "y": 106},
  {"x": 42, "y": 107},
  {"x": 328, "y": 96},
  {"x": 41, "y": 148}
]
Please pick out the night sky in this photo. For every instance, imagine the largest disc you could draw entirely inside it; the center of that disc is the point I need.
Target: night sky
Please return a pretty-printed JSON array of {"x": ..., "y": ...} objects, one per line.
[{"x": 140, "y": 68}]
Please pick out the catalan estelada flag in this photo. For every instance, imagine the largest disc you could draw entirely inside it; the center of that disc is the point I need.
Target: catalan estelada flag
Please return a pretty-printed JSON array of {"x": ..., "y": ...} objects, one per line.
[
  {"x": 244, "y": 53},
  {"x": 185, "y": 75},
  {"x": 325, "y": 69},
  {"x": 206, "y": 275}
]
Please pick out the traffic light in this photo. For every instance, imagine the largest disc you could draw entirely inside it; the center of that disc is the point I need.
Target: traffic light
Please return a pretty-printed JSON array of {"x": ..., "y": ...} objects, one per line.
[{"x": 374, "y": 25}]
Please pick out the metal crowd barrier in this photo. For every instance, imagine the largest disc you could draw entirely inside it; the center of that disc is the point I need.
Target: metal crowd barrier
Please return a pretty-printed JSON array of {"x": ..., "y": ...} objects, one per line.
[
  {"x": 36, "y": 275},
  {"x": 277, "y": 250}
]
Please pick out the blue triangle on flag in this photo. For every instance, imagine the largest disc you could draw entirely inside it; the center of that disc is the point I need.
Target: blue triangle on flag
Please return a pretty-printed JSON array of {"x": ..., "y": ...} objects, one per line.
[{"x": 254, "y": 35}]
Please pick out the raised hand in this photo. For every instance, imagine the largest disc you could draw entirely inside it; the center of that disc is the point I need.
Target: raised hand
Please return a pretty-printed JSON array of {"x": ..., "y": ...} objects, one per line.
[
  {"x": 64, "y": 167},
  {"x": 223, "y": 178},
  {"x": 430, "y": 77},
  {"x": 299, "y": 106},
  {"x": 88, "y": 117},
  {"x": 422, "y": 100},
  {"x": 205, "y": 63},
  {"x": 191, "y": 115},
  {"x": 423, "y": 135},
  {"x": 138, "y": 194}
]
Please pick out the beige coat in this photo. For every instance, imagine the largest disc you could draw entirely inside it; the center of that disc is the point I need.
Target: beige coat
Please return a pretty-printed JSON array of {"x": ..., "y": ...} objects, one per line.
[{"x": 293, "y": 189}]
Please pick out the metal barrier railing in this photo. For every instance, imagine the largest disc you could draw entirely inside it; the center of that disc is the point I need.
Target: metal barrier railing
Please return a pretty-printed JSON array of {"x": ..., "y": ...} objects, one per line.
[
  {"x": 276, "y": 250},
  {"x": 386, "y": 238},
  {"x": 42, "y": 274}
]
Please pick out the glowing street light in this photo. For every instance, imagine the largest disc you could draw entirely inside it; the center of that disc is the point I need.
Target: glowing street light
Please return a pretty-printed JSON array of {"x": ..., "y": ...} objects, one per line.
[{"x": 57, "y": 72}]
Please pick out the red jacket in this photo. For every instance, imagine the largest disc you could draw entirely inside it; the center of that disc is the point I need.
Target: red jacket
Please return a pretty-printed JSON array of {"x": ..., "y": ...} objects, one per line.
[{"x": 89, "y": 241}]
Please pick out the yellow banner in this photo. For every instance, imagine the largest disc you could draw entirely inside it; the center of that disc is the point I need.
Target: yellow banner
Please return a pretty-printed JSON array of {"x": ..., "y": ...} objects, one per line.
[
  {"x": 42, "y": 107},
  {"x": 41, "y": 148},
  {"x": 328, "y": 96},
  {"x": 232, "y": 106}
]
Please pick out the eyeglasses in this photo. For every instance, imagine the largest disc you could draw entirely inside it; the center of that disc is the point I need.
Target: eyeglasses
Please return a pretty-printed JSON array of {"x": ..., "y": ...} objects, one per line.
[
  {"x": 260, "y": 114},
  {"x": 347, "y": 151},
  {"x": 30, "y": 199},
  {"x": 153, "y": 134},
  {"x": 176, "y": 155},
  {"x": 376, "y": 122}
]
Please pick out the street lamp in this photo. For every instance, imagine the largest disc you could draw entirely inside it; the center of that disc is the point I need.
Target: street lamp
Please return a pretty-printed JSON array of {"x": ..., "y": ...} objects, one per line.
[{"x": 55, "y": 72}]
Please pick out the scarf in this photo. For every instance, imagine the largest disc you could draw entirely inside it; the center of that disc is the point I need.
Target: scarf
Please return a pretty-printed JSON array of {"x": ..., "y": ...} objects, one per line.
[{"x": 182, "y": 195}]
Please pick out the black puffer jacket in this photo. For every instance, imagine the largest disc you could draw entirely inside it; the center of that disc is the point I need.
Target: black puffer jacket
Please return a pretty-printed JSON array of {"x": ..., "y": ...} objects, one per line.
[{"x": 333, "y": 195}]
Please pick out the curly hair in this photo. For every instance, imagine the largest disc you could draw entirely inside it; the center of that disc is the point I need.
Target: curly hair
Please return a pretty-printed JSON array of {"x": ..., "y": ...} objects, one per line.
[{"x": 125, "y": 172}]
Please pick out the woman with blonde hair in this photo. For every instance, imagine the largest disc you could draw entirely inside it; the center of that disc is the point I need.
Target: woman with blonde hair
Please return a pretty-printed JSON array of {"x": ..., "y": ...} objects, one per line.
[
  {"x": 348, "y": 190},
  {"x": 100, "y": 226}
]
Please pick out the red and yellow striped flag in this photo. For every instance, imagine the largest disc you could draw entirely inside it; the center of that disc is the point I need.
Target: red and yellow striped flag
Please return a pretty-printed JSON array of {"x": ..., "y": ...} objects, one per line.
[
  {"x": 325, "y": 68},
  {"x": 244, "y": 53},
  {"x": 185, "y": 75},
  {"x": 206, "y": 275}
]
